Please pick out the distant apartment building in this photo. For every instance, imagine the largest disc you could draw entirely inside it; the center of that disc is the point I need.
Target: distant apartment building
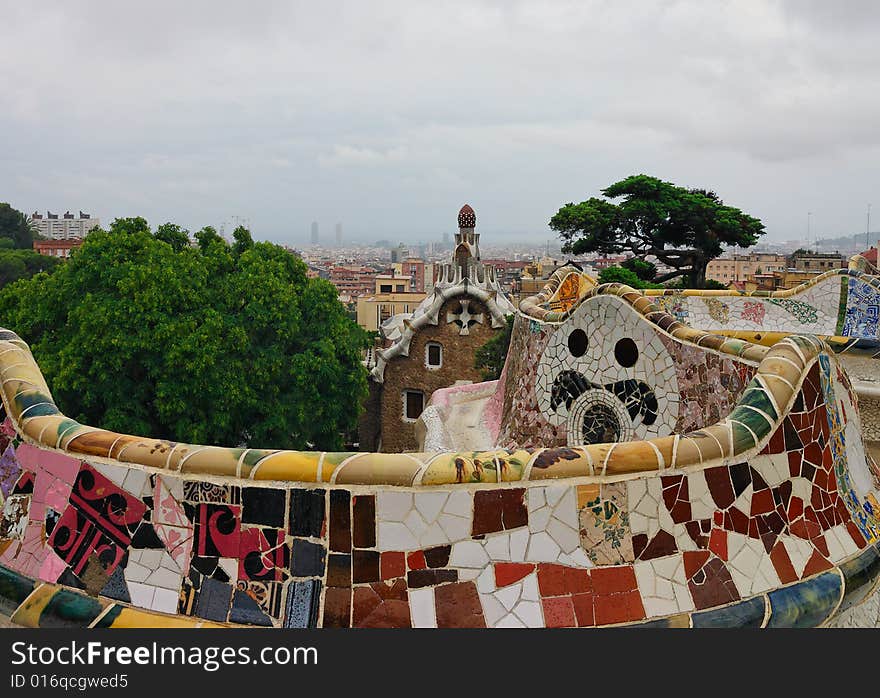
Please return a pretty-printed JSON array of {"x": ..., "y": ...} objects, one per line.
[
  {"x": 421, "y": 274},
  {"x": 399, "y": 253},
  {"x": 601, "y": 263},
  {"x": 739, "y": 268},
  {"x": 64, "y": 227},
  {"x": 314, "y": 234},
  {"x": 57, "y": 248},
  {"x": 339, "y": 234},
  {"x": 534, "y": 276},
  {"x": 507, "y": 272},
  {"x": 353, "y": 280},
  {"x": 391, "y": 296},
  {"x": 817, "y": 262}
]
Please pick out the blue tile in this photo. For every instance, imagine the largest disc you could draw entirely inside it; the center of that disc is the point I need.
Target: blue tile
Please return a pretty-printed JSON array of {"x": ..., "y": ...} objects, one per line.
[
  {"x": 301, "y": 609},
  {"x": 859, "y": 576},
  {"x": 807, "y": 604},
  {"x": 746, "y": 614}
]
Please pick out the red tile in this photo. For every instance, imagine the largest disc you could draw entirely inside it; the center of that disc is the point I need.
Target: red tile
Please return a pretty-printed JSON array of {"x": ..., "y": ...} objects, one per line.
[
  {"x": 583, "y": 609},
  {"x": 559, "y": 612},
  {"x": 337, "y": 608},
  {"x": 813, "y": 453},
  {"x": 694, "y": 561},
  {"x": 816, "y": 564},
  {"x": 762, "y": 502},
  {"x": 577, "y": 581},
  {"x": 392, "y": 564},
  {"x": 820, "y": 544},
  {"x": 794, "y": 463},
  {"x": 782, "y": 564},
  {"x": 798, "y": 528},
  {"x": 416, "y": 560},
  {"x": 506, "y": 573},
  {"x": 458, "y": 606},
  {"x": 619, "y": 608},
  {"x": 720, "y": 486},
  {"x": 855, "y": 534},
  {"x": 776, "y": 443},
  {"x": 753, "y": 529},
  {"x": 795, "y": 508},
  {"x": 551, "y": 579},
  {"x": 739, "y": 522},
  {"x": 613, "y": 580},
  {"x": 718, "y": 543},
  {"x": 681, "y": 512},
  {"x": 661, "y": 545},
  {"x": 832, "y": 482}
]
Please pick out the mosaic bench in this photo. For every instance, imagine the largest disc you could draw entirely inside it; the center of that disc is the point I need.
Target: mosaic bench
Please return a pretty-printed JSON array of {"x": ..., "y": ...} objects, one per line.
[{"x": 641, "y": 473}]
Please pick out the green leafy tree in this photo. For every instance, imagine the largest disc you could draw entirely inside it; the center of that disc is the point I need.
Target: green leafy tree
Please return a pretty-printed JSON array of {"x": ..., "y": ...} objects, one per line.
[
  {"x": 174, "y": 235},
  {"x": 23, "y": 264},
  {"x": 619, "y": 275},
  {"x": 208, "y": 237},
  {"x": 243, "y": 240},
  {"x": 646, "y": 271},
  {"x": 17, "y": 227},
  {"x": 683, "y": 228},
  {"x": 622, "y": 275},
  {"x": 197, "y": 344},
  {"x": 491, "y": 356}
]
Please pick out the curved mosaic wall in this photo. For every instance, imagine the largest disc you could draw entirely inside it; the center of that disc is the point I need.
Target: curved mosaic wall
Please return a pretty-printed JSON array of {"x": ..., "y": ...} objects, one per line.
[
  {"x": 840, "y": 303},
  {"x": 766, "y": 517}
]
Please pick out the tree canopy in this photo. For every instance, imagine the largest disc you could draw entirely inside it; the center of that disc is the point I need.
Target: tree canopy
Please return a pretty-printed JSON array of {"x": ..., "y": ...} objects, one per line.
[
  {"x": 491, "y": 356},
  {"x": 646, "y": 271},
  {"x": 216, "y": 343},
  {"x": 683, "y": 228},
  {"x": 624, "y": 275},
  {"x": 23, "y": 264},
  {"x": 16, "y": 226}
]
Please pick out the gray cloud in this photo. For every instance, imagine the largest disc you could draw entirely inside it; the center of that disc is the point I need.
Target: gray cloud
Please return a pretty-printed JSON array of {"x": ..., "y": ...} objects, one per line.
[{"x": 388, "y": 115}]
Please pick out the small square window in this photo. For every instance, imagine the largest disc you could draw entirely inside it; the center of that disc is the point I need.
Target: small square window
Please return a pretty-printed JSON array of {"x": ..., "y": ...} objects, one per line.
[{"x": 413, "y": 403}]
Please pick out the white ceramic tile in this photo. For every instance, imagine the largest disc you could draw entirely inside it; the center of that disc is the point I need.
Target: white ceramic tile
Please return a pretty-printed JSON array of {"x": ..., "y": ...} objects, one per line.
[
  {"x": 422, "y": 609},
  {"x": 394, "y": 536},
  {"x": 468, "y": 553},
  {"x": 393, "y": 506}
]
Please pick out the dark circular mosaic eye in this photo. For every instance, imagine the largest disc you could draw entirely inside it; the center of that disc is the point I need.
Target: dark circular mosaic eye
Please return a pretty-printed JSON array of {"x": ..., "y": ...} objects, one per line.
[
  {"x": 600, "y": 425},
  {"x": 577, "y": 342},
  {"x": 626, "y": 352}
]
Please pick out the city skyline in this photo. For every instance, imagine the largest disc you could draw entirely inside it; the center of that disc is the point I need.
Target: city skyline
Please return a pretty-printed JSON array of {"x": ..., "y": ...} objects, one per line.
[{"x": 304, "y": 123}]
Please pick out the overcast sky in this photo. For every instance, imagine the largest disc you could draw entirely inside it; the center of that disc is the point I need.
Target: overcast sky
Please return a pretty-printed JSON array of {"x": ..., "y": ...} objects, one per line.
[{"x": 387, "y": 116}]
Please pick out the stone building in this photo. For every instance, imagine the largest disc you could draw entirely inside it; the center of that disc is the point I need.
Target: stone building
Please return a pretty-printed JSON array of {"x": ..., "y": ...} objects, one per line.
[{"x": 434, "y": 346}]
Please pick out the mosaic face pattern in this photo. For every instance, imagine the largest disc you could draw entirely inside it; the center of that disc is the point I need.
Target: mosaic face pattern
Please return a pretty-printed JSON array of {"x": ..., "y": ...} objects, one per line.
[{"x": 607, "y": 376}]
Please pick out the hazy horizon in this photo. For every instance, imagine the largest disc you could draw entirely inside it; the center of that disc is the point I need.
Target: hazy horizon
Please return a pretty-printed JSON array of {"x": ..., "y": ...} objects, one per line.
[{"x": 388, "y": 117}]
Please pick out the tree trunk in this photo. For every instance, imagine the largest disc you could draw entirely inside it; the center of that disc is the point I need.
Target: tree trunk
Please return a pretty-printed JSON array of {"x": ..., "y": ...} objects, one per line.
[{"x": 697, "y": 274}]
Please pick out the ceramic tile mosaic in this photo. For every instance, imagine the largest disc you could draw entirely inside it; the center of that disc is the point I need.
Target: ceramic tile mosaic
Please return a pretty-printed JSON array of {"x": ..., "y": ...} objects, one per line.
[{"x": 722, "y": 484}]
